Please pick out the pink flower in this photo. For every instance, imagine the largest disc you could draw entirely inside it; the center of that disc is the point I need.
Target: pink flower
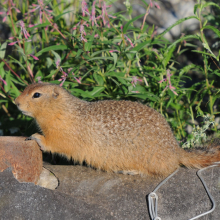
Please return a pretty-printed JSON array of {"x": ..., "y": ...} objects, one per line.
[
  {"x": 39, "y": 79},
  {"x": 42, "y": 8},
  {"x": 92, "y": 17},
  {"x": 64, "y": 76},
  {"x": 82, "y": 30},
  {"x": 84, "y": 8},
  {"x": 3, "y": 80},
  {"x": 154, "y": 33},
  {"x": 5, "y": 17},
  {"x": 23, "y": 29},
  {"x": 12, "y": 6},
  {"x": 30, "y": 70},
  {"x": 9, "y": 1},
  {"x": 78, "y": 80},
  {"x": 156, "y": 5},
  {"x": 105, "y": 14},
  {"x": 70, "y": 70},
  {"x": 13, "y": 43},
  {"x": 57, "y": 64},
  {"x": 111, "y": 51},
  {"x": 135, "y": 80},
  {"x": 63, "y": 79},
  {"x": 129, "y": 40},
  {"x": 60, "y": 68},
  {"x": 34, "y": 57},
  {"x": 55, "y": 27},
  {"x": 169, "y": 82}
]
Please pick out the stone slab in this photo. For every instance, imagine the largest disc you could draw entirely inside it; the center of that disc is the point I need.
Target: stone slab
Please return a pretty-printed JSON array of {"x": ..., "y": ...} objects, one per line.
[
  {"x": 84, "y": 193},
  {"x": 124, "y": 196},
  {"x": 24, "y": 157}
]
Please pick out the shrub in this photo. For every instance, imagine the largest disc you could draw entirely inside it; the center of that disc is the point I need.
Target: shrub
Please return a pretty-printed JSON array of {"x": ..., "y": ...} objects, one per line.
[{"x": 96, "y": 56}]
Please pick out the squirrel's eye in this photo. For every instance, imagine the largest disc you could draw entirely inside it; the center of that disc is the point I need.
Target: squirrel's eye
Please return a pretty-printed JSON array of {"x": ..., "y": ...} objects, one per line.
[{"x": 36, "y": 95}]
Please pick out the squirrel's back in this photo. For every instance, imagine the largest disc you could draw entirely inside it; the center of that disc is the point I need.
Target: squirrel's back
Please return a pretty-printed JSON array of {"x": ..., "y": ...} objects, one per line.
[{"x": 132, "y": 136}]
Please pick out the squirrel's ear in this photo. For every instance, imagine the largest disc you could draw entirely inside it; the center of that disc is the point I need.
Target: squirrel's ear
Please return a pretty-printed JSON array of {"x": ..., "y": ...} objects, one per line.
[{"x": 55, "y": 93}]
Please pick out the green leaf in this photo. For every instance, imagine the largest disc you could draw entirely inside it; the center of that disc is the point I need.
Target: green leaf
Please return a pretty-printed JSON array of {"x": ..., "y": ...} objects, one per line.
[
  {"x": 3, "y": 50},
  {"x": 196, "y": 6},
  {"x": 140, "y": 96},
  {"x": 134, "y": 19},
  {"x": 176, "y": 23},
  {"x": 19, "y": 63},
  {"x": 183, "y": 38},
  {"x": 54, "y": 47},
  {"x": 2, "y": 71},
  {"x": 202, "y": 52},
  {"x": 101, "y": 58},
  {"x": 49, "y": 62},
  {"x": 17, "y": 80},
  {"x": 8, "y": 80},
  {"x": 168, "y": 54},
  {"x": 145, "y": 3},
  {"x": 140, "y": 46},
  {"x": 39, "y": 26},
  {"x": 210, "y": 4},
  {"x": 79, "y": 53},
  {"x": 146, "y": 95},
  {"x": 58, "y": 17},
  {"x": 216, "y": 73},
  {"x": 119, "y": 75},
  {"x": 14, "y": 90},
  {"x": 99, "y": 51},
  {"x": 176, "y": 106},
  {"x": 213, "y": 29},
  {"x": 57, "y": 56},
  {"x": 115, "y": 56},
  {"x": 139, "y": 88},
  {"x": 98, "y": 79},
  {"x": 2, "y": 101},
  {"x": 186, "y": 69},
  {"x": 90, "y": 94},
  {"x": 97, "y": 90},
  {"x": 130, "y": 56},
  {"x": 88, "y": 44}
]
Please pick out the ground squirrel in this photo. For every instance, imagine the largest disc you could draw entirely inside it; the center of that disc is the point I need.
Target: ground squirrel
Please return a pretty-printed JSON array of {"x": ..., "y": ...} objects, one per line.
[{"x": 117, "y": 136}]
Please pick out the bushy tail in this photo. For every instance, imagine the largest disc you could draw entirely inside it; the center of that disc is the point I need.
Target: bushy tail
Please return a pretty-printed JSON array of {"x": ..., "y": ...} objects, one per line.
[{"x": 200, "y": 158}]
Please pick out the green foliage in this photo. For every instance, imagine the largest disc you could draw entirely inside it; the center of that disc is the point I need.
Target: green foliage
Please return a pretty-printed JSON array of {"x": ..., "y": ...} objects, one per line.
[
  {"x": 106, "y": 57},
  {"x": 198, "y": 134}
]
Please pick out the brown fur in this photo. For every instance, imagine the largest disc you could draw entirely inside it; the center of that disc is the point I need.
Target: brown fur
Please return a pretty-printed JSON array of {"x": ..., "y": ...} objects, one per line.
[{"x": 118, "y": 136}]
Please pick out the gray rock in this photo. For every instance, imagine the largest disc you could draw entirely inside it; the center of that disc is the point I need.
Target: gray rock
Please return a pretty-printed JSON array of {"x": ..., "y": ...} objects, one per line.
[
  {"x": 169, "y": 13},
  {"x": 85, "y": 193}
]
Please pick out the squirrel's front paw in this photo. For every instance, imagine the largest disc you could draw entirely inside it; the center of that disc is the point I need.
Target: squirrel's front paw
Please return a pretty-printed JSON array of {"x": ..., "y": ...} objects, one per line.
[
  {"x": 40, "y": 139},
  {"x": 28, "y": 138}
]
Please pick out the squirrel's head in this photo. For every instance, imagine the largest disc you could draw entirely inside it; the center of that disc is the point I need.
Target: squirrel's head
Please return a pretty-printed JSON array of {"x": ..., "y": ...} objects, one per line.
[{"x": 40, "y": 98}]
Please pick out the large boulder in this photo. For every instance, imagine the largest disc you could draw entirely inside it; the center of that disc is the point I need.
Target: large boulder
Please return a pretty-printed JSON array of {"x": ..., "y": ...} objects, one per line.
[{"x": 84, "y": 193}]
